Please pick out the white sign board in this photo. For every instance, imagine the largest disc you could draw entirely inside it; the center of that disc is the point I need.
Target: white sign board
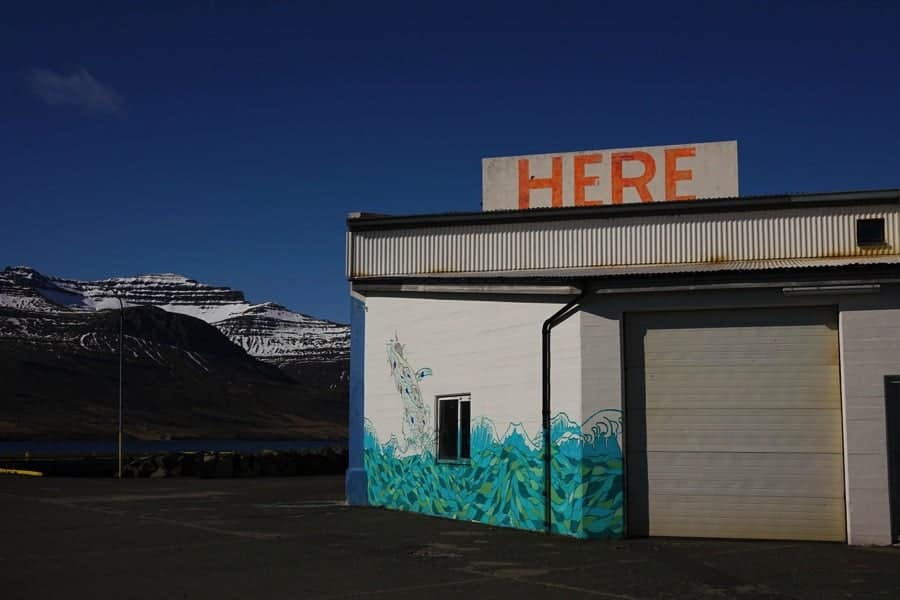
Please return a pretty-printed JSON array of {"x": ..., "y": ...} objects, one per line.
[{"x": 597, "y": 177}]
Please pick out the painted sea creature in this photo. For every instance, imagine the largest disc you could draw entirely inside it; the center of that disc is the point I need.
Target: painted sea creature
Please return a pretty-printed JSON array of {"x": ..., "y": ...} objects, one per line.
[{"x": 417, "y": 432}]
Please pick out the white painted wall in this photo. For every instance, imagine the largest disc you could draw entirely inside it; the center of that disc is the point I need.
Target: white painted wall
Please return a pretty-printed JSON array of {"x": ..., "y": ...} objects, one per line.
[
  {"x": 601, "y": 375},
  {"x": 870, "y": 350},
  {"x": 489, "y": 348}
]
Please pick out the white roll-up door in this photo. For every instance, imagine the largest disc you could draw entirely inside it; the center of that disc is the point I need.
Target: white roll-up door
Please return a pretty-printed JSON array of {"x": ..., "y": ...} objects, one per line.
[{"x": 733, "y": 424}]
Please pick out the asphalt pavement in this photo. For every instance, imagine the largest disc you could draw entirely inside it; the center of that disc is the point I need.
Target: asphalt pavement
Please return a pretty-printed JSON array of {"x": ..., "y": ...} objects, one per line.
[{"x": 293, "y": 537}]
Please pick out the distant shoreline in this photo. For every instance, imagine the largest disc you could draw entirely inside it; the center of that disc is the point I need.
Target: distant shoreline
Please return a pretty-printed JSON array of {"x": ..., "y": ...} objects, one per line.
[
  {"x": 93, "y": 448},
  {"x": 259, "y": 462}
]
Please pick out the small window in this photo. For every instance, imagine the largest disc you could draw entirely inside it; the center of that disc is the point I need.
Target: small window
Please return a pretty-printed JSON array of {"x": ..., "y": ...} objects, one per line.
[
  {"x": 869, "y": 232},
  {"x": 454, "y": 427}
]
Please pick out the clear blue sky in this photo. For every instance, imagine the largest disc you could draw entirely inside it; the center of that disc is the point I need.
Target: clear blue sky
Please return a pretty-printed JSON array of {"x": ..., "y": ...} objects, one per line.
[{"x": 228, "y": 141}]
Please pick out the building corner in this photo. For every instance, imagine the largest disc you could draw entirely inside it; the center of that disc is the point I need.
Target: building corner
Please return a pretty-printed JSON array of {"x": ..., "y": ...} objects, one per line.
[{"x": 356, "y": 483}]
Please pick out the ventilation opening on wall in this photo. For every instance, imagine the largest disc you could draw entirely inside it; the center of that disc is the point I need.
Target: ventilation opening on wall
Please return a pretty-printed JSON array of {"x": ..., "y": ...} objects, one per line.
[{"x": 869, "y": 232}]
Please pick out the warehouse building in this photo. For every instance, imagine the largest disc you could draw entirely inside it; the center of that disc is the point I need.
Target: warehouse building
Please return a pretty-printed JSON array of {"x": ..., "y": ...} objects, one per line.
[{"x": 716, "y": 368}]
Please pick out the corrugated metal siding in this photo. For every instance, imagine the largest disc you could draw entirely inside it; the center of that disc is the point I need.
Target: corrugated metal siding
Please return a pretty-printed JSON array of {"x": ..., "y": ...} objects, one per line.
[{"x": 670, "y": 239}]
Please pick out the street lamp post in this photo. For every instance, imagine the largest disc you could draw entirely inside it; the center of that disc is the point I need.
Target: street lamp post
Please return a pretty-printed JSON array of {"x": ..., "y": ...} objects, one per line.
[{"x": 121, "y": 437}]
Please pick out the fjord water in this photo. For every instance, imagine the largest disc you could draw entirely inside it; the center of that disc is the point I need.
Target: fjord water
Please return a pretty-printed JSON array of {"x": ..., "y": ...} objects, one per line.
[{"x": 70, "y": 448}]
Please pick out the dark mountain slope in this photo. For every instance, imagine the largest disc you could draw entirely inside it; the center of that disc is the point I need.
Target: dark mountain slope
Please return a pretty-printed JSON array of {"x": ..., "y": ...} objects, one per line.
[{"x": 184, "y": 378}]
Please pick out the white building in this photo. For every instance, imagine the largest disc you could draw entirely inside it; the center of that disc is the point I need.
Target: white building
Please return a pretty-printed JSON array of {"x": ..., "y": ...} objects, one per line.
[{"x": 715, "y": 368}]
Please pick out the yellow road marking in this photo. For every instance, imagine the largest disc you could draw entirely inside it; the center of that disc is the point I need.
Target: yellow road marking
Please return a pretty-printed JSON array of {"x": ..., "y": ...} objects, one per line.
[{"x": 21, "y": 472}]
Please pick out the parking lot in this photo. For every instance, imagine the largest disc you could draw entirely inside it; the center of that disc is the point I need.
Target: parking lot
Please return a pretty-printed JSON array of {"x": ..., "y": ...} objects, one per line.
[{"x": 293, "y": 537}]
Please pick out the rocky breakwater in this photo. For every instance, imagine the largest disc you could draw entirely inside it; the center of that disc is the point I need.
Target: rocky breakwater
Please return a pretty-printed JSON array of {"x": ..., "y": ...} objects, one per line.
[{"x": 270, "y": 463}]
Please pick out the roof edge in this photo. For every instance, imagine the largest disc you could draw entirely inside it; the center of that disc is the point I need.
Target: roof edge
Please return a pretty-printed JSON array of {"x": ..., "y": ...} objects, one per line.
[
  {"x": 857, "y": 273},
  {"x": 369, "y": 221}
]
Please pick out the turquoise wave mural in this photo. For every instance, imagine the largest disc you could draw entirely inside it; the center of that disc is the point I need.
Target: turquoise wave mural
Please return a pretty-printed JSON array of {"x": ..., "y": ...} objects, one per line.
[{"x": 502, "y": 483}]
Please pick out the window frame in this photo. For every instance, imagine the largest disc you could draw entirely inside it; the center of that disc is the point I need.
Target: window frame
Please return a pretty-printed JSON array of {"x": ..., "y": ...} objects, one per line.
[
  {"x": 865, "y": 227},
  {"x": 460, "y": 399}
]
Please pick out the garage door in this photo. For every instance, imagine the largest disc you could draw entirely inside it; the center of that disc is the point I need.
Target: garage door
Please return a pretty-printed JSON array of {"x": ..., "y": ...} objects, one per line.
[{"x": 733, "y": 424}]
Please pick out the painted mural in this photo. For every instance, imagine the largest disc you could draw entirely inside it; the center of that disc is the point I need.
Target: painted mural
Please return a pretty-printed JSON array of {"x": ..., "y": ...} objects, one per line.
[
  {"x": 417, "y": 433},
  {"x": 503, "y": 482}
]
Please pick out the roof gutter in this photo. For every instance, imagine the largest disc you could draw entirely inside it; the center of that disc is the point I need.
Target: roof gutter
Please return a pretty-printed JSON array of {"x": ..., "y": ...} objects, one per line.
[
  {"x": 639, "y": 284},
  {"x": 478, "y": 288}
]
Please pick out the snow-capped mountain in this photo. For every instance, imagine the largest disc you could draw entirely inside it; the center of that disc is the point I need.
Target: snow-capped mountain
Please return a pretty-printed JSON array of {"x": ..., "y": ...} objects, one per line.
[
  {"x": 195, "y": 361},
  {"x": 276, "y": 334},
  {"x": 266, "y": 331}
]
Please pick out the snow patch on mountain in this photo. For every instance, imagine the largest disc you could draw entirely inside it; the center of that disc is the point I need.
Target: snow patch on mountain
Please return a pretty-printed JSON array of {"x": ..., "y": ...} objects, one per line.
[
  {"x": 267, "y": 331},
  {"x": 273, "y": 331},
  {"x": 207, "y": 312}
]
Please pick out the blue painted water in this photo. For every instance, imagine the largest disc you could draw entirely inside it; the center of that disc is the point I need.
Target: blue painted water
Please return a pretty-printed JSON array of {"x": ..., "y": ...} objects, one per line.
[
  {"x": 18, "y": 449},
  {"x": 502, "y": 483}
]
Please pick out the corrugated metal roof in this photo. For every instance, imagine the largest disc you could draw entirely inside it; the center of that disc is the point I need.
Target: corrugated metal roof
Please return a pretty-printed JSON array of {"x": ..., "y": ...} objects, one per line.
[{"x": 630, "y": 244}]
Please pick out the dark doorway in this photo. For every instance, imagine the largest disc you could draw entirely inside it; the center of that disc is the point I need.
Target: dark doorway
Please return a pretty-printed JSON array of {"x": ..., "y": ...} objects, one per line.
[
  {"x": 892, "y": 414},
  {"x": 637, "y": 491}
]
